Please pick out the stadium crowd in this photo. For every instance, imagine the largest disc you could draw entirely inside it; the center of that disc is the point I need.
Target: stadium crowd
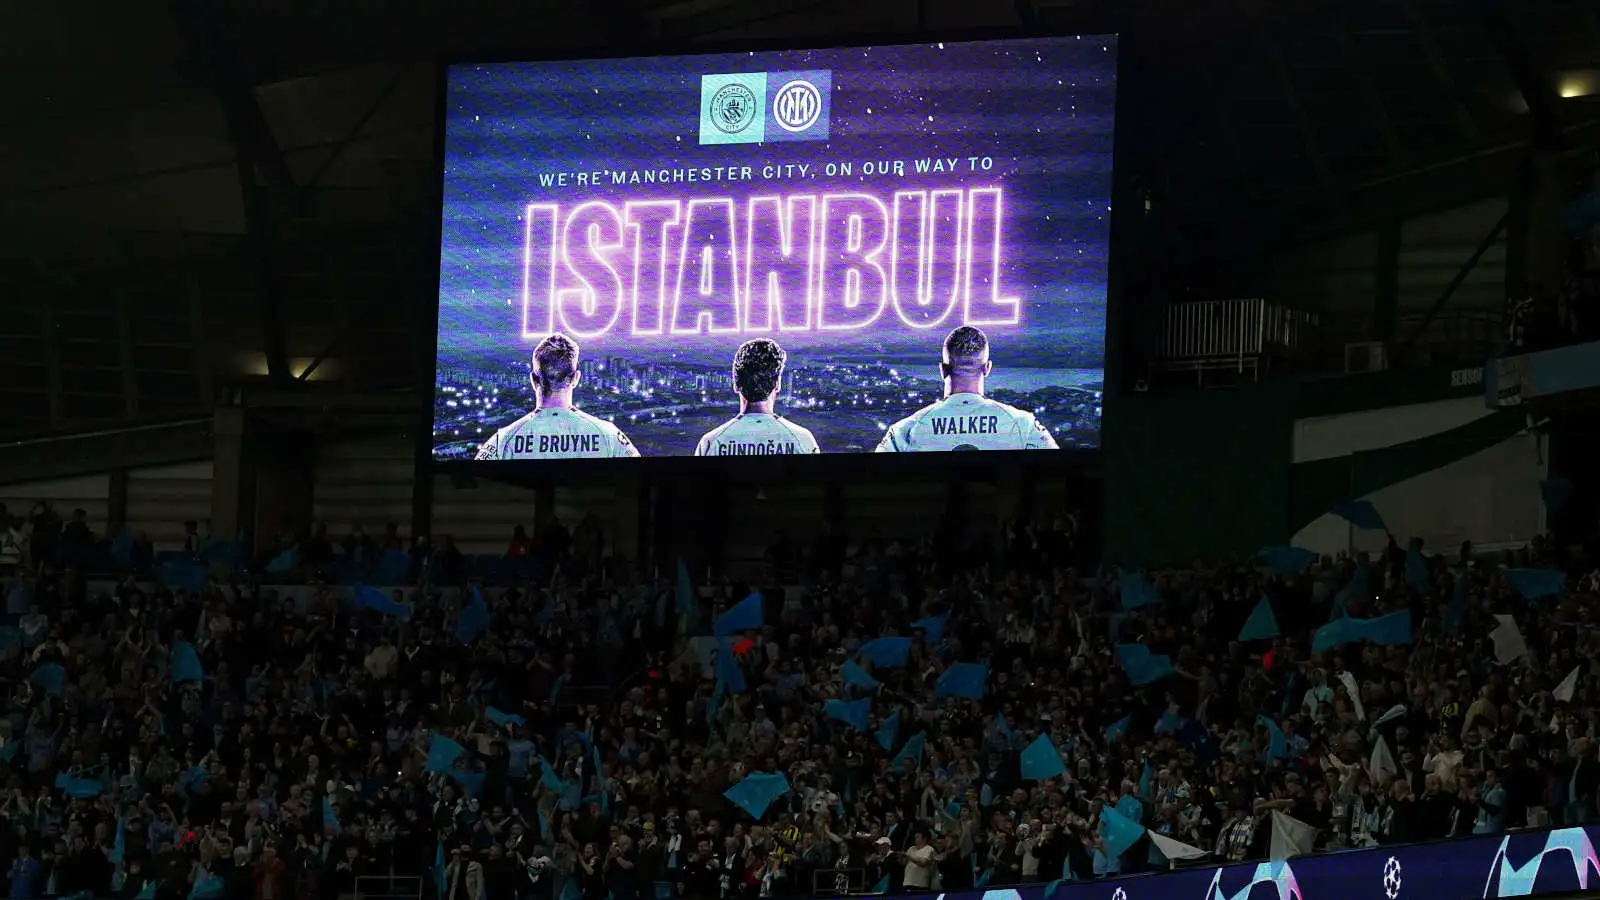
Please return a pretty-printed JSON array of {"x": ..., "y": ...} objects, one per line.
[{"x": 587, "y": 732}]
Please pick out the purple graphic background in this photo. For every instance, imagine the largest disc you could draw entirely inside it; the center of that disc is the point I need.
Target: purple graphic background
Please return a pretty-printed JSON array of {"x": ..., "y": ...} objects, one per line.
[{"x": 1042, "y": 110}]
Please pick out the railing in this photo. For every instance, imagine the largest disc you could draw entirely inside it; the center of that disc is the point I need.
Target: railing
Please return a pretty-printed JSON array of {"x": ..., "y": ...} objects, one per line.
[{"x": 1214, "y": 334}]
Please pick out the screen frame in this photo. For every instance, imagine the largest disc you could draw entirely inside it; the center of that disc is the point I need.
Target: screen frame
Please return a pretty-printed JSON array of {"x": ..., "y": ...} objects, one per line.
[{"x": 813, "y": 465}]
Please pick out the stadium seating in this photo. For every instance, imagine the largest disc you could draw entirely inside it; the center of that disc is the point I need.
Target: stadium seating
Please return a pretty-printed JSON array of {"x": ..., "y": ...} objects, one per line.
[{"x": 355, "y": 716}]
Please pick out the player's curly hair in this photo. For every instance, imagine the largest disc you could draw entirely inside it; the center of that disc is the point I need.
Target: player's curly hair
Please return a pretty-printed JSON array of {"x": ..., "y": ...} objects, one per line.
[
  {"x": 966, "y": 348},
  {"x": 757, "y": 368},
  {"x": 555, "y": 362}
]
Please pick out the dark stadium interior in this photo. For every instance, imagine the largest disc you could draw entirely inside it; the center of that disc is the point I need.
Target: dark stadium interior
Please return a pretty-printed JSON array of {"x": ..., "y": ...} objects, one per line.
[{"x": 1326, "y": 595}]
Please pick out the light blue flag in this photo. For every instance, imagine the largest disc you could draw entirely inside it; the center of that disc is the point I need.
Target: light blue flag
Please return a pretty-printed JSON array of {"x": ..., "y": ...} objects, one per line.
[
  {"x": 1001, "y": 733},
  {"x": 80, "y": 788},
  {"x": 438, "y": 870},
  {"x": 119, "y": 846},
  {"x": 1286, "y": 561},
  {"x": 185, "y": 574},
  {"x": 1145, "y": 776},
  {"x": 570, "y": 890},
  {"x": 1360, "y": 514},
  {"x": 932, "y": 627},
  {"x": 683, "y": 596},
  {"x": 285, "y": 561},
  {"x": 1041, "y": 760},
  {"x": 1457, "y": 608},
  {"x": 191, "y": 778},
  {"x": 330, "y": 819},
  {"x": 887, "y": 652},
  {"x": 1359, "y": 589},
  {"x": 184, "y": 663},
  {"x": 1118, "y": 832},
  {"x": 378, "y": 601},
  {"x": 882, "y": 887},
  {"x": 1142, "y": 666},
  {"x": 473, "y": 620},
  {"x": 442, "y": 754},
  {"x": 1261, "y": 625},
  {"x": 504, "y": 719},
  {"x": 1170, "y": 723},
  {"x": 910, "y": 753},
  {"x": 1136, "y": 591},
  {"x": 855, "y": 675},
  {"x": 728, "y": 672},
  {"x": 148, "y": 892},
  {"x": 853, "y": 714},
  {"x": 1554, "y": 492},
  {"x": 208, "y": 887},
  {"x": 747, "y": 615},
  {"x": 888, "y": 731},
  {"x": 1535, "y": 584},
  {"x": 50, "y": 678},
  {"x": 1416, "y": 566},
  {"x": 1277, "y": 744},
  {"x": 1131, "y": 808},
  {"x": 757, "y": 791},
  {"x": 555, "y": 689},
  {"x": 1394, "y": 628},
  {"x": 965, "y": 680},
  {"x": 1117, "y": 728},
  {"x": 549, "y": 778}
]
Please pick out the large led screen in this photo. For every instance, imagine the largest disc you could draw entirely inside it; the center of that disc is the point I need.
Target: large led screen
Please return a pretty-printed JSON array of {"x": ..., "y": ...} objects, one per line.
[{"x": 872, "y": 249}]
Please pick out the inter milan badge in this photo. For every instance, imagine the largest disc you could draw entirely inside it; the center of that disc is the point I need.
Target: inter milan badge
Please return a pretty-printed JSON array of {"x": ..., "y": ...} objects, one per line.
[{"x": 733, "y": 108}]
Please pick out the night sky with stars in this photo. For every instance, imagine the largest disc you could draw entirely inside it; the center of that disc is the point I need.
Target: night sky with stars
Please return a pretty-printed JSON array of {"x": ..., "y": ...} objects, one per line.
[{"x": 1042, "y": 109}]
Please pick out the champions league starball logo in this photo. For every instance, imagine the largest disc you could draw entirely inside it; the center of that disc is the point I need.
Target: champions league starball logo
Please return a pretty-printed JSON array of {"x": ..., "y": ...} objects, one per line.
[
  {"x": 1391, "y": 878},
  {"x": 1277, "y": 874}
]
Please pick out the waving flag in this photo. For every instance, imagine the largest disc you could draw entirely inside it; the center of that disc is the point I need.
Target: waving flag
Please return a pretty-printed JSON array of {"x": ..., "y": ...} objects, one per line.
[
  {"x": 1261, "y": 625},
  {"x": 504, "y": 719},
  {"x": 1118, "y": 832},
  {"x": 1534, "y": 584},
  {"x": 888, "y": 731},
  {"x": 473, "y": 620},
  {"x": 855, "y": 675},
  {"x": 378, "y": 601},
  {"x": 911, "y": 753},
  {"x": 729, "y": 674},
  {"x": 1394, "y": 628},
  {"x": 747, "y": 615},
  {"x": 757, "y": 792},
  {"x": 80, "y": 788},
  {"x": 442, "y": 754},
  {"x": 853, "y": 714},
  {"x": 1361, "y": 514},
  {"x": 1286, "y": 561},
  {"x": 1136, "y": 591},
  {"x": 1359, "y": 589},
  {"x": 1277, "y": 744},
  {"x": 932, "y": 627},
  {"x": 1041, "y": 760},
  {"x": 50, "y": 678},
  {"x": 1117, "y": 728},
  {"x": 962, "y": 680},
  {"x": 183, "y": 663},
  {"x": 887, "y": 652}
]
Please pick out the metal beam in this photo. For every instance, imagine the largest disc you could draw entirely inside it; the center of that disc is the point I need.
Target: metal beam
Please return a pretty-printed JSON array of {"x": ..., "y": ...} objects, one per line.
[
  {"x": 130, "y": 378},
  {"x": 1537, "y": 86},
  {"x": 1441, "y": 72},
  {"x": 1386, "y": 297},
  {"x": 1291, "y": 96},
  {"x": 52, "y": 352},
  {"x": 1370, "y": 96},
  {"x": 1488, "y": 242},
  {"x": 257, "y": 151},
  {"x": 350, "y": 136}
]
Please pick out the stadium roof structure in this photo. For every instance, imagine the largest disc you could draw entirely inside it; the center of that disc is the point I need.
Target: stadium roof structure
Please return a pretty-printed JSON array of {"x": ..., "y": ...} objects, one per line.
[{"x": 208, "y": 196}]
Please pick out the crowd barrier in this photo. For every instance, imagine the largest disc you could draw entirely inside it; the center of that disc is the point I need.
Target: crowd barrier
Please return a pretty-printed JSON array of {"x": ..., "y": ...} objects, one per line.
[{"x": 1517, "y": 864}]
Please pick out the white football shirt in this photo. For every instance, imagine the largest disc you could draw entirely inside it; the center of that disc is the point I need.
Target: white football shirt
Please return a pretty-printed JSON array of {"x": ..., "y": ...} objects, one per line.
[
  {"x": 966, "y": 422},
  {"x": 557, "y": 434},
  {"x": 757, "y": 434}
]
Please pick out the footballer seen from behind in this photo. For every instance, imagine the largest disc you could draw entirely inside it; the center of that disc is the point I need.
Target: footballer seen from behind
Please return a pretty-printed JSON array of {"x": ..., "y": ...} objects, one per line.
[
  {"x": 965, "y": 419},
  {"x": 556, "y": 429},
  {"x": 757, "y": 430}
]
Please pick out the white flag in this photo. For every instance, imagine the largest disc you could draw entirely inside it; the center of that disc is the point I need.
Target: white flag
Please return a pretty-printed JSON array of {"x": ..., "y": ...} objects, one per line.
[
  {"x": 1568, "y": 685},
  {"x": 1394, "y": 712},
  {"x": 1349, "y": 682},
  {"x": 1381, "y": 766},
  {"x": 1174, "y": 850},
  {"x": 1509, "y": 645},
  {"x": 1290, "y": 836}
]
